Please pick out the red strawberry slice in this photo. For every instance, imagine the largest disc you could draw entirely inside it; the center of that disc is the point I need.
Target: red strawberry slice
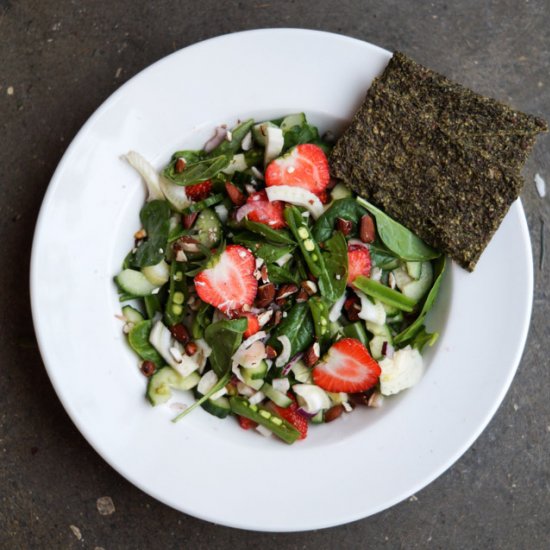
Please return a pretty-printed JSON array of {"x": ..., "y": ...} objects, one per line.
[
  {"x": 291, "y": 415},
  {"x": 304, "y": 166},
  {"x": 347, "y": 367},
  {"x": 229, "y": 284},
  {"x": 260, "y": 209},
  {"x": 199, "y": 191},
  {"x": 359, "y": 262},
  {"x": 246, "y": 423},
  {"x": 235, "y": 194},
  {"x": 253, "y": 324}
]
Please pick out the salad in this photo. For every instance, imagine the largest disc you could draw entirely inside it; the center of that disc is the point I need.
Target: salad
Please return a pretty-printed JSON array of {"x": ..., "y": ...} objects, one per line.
[{"x": 268, "y": 289}]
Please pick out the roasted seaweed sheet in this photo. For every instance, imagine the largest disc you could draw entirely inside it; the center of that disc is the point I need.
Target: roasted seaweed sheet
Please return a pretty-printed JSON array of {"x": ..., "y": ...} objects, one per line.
[{"x": 437, "y": 157}]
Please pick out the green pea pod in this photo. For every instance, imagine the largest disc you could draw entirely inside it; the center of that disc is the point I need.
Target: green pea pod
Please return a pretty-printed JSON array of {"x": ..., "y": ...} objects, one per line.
[
  {"x": 202, "y": 319},
  {"x": 153, "y": 303},
  {"x": 398, "y": 238},
  {"x": 309, "y": 247},
  {"x": 177, "y": 294},
  {"x": 385, "y": 294},
  {"x": 320, "y": 311},
  {"x": 416, "y": 326}
]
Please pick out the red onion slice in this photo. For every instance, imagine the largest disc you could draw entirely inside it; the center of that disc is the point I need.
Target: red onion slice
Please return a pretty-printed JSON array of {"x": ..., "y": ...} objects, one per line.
[
  {"x": 216, "y": 139},
  {"x": 287, "y": 368}
]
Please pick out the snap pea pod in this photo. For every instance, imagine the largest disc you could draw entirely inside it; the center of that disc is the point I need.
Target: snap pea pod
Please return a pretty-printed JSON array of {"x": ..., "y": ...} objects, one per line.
[
  {"x": 309, "y": 247},
  {"x": 177, "y": 294},
  {"x": 153, "y": 304},
  {"x": 320, "y": 312},
  {"x": 356, "y": 330},
  {"x": 385, "y": 294},
  {"x": 279, "y": 426},
  {"x": 202, "y": 319}
]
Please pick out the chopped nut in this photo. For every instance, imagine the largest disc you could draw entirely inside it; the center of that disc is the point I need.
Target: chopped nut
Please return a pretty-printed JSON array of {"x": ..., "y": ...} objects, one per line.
[
  {"x": 187, "y": 244},
  {"x": 141, "y": 234},
  {"x": 302, "y": 296},
  {"x": 270, "y": 352},
  {"x": 312, "y": 354},
  {"x": 147, "y": 368},
  {"x": 277, "y": 318},
  {"x": 309, "y": 286},
  {"x": 263, "y": 318},
  {"x": 391, "y": 280},
  {"x": 265, "y": 295},
  {"x": 180, "y": 256},
  {"x": 191, "y": 348},
  {"x": 352, "y": 308},
  {"x": 264, "y": 274},
  {"x": 180, "y": 165},
  {"x": 180, "y": 333},
  {"x": 286, "y": 290},
  {"x": 366, "y": 229},
  {"x": 333, "y": 413},
  {"x": 345, "y": 226}
]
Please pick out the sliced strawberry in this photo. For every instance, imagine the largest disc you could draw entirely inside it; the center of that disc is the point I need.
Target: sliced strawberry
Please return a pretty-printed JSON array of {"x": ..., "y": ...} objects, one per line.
[
  {"x": 291, "y": 415},
  {"x": 199, "y": 191},
  {"x": 260, "y": 209},
  {"x": 359, "y": 262},
  {"x": 229, "y": 283},
  {"x": 347, "y": 367},
  {"x": 246, "y": 423},
  {"x": 304, "y": 166},
  {"x": 253, "y": 324}
]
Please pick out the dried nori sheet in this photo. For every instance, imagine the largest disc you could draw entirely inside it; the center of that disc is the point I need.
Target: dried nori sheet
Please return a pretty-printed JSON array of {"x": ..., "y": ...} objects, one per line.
[{"x": 443, "y": 163}]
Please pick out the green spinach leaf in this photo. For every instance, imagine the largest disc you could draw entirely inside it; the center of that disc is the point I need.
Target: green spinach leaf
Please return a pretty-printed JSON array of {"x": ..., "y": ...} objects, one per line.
[
  {"x": 155, "y": 218},
  {"x": 195, "y": 172},
  {"x": 281, "y": 275},
  {"x": 268, "y": 252},
  {"x": 398, "y": 238},
  {"x": 229, "y": 148},
  {"x": 333, "y": 280},
  {"x": 304, "y": 133},
  {"x": 416, "y": 326},
  {"x": 347, "y": 209},
  {"x": 297, "y": 326},
  {"x": 224, "y": 337},
  {"x": 280, "y": 236},
  {"x": 138, "y": 338}
]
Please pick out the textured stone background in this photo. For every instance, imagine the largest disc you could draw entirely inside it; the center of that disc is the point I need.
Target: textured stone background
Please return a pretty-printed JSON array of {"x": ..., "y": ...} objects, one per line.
[{"x": 58, "y": 61}]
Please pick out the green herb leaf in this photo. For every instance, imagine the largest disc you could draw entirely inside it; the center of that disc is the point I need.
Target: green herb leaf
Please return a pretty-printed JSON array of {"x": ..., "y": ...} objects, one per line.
[
  {"x": 195, "y": 172},
  {"x": 202, "y": 319},
  {"x": 382, "y": 258},
  {"x": 356, "y": 330},
  {"x": 398, "y": 238},
  {"x": 268, "y": 252},
  {"x": 305, "y": 133},
  {"x": 138, "y": 338},
  {"x": 229, "y": 148},
  {"x": 416, "y": 326},
  {"x": 280, "y": 275},
  {"x": 155, "y": 218},
  {"x": 224, "y": 337},
  {"x": 347, "y": 209}
]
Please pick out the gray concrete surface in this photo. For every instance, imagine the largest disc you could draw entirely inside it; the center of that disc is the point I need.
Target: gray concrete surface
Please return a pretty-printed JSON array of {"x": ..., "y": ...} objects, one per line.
[{"x": 58, "y": 61}]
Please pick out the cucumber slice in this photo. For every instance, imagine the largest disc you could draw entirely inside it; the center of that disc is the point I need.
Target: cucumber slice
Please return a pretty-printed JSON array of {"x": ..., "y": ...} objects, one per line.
[
  {"x": 278, "y": 397},
  {"x": 380, "y": 330},
  {"x": 414, "y": 269},
  {"x": 297, "y": 119},
  {"x": 164, "y": 380},
  {"x": 402, "y": 278},
  {"x": 340, "y": 191},
  {"x": 134, "y": 282},
  {"x": 257, "y": 373},
  {"x": 158, "y": 274},
  {"x": 132, "y": 314},
  {"x": 259, "y": 131},
  {"x": 417, "y": 289},
  {"x": 219, "y": 407},
  {"x": 254, "y": 384},
  {"x": 274, "y": 143},
  {"x": 208, "y": 227},
  {"x": 376, "y": 345}
]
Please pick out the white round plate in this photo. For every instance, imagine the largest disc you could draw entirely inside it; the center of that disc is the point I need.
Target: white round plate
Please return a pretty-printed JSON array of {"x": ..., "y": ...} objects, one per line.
[{"x": 210, "y": 468}]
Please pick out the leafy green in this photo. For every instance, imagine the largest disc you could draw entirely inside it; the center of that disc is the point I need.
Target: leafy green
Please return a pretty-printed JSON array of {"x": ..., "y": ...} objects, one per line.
[
  {"x": 268, "y": 252},
  {"x": 383, "y": 293},
  {"x": 304, "y": 133},
  {"x": 398, "y": 238},
  {"x": 138, "y": 338},
  {"x": 153, "y": 303},
  {"x": 229, "y": 148},
  {"x": 280, "y": 236},
  {"x": 297, "y": 326},
  {"x": 416, "y": 326},
  {"x": 333, "y": 280},
  {"x": 382, "y": 258},
  {"x": 280, "y": 275},
  {"x": 195, "y": 172},
  {"x": 347, "y": 209},
  {"x": 224, "y": 337},
  {"x": 356, "y": 330},
  {"x": 155, "y": 218},
  {"x": 202, "y": 319},
  {"x": 423, "y": 337}
]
